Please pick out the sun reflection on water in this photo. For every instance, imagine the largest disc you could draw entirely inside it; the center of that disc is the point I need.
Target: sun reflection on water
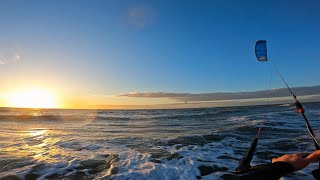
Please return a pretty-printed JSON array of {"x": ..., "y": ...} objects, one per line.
[
  {"x": 37, "y": 144},
  {"x": 37, "y": 132},
  {"x": 44, "y": 149},
  {"x": 35, "y": 113},
  {"x": 38, "y": 140}
]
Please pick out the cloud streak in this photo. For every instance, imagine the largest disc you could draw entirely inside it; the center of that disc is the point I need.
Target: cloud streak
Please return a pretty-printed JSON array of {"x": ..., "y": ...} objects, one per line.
[{"x": 282, "y": 92}]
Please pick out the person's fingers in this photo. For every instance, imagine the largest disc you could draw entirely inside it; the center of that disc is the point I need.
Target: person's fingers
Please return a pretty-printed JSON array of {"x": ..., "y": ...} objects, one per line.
[
  {"x": 273, "y": 159},
  {"x": 313, "y": 156}
]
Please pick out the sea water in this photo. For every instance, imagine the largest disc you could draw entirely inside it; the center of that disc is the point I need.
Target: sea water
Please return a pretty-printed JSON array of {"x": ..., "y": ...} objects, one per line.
[{"x": 148, "y": 144}]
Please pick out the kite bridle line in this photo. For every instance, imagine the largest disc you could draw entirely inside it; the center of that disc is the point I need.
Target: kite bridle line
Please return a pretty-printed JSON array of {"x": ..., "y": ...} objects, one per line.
[
  {"x": 299, "y": 110},
  {"x": 244, "y": 164},
  {"x": 267, "y": 104},
  {"x": 279, "y": 74}
]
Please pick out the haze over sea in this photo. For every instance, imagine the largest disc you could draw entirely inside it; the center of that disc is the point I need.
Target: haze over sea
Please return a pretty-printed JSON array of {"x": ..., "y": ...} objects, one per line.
[{"x": 148, "y": 144}]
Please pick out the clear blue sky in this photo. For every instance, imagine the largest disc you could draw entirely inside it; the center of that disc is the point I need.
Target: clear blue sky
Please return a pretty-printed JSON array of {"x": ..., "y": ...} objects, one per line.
[{"x": 116, "y": 47}]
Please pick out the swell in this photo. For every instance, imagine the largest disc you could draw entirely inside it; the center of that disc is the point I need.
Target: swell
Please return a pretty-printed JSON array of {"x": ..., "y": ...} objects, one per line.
[{"x": 54, "y": 118}]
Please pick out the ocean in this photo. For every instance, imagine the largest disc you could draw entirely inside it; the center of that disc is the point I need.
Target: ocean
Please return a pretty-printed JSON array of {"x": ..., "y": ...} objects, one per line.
[{"x": 148, "y": 144}]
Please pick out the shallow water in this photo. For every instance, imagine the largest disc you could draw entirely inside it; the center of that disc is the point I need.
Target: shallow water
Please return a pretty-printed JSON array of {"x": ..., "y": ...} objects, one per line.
[{"x": 148, "y": 144}]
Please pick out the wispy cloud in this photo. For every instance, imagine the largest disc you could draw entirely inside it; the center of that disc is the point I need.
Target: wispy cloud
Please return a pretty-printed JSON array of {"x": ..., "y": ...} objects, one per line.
[
  {"x": 282, "y": 92},
  {"x": 139, "y": 17},
  {"x": 156, "y": 95},
  {"x": 9, "y": 56}
]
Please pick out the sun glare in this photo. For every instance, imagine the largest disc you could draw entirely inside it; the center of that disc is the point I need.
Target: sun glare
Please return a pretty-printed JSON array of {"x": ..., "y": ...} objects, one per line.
[{"x": 31, "y": 98}]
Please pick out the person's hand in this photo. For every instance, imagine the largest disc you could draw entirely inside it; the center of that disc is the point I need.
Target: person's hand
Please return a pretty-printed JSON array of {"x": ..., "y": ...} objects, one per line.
[{"x": 298, "y": 161}]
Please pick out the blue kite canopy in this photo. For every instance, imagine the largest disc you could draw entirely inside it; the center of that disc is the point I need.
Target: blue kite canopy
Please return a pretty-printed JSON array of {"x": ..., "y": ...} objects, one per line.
[{"x": 261, "y": 50}]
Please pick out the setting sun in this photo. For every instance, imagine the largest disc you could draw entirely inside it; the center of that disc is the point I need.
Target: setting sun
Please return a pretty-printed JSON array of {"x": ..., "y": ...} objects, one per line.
[{"x": 31, "y": 98}]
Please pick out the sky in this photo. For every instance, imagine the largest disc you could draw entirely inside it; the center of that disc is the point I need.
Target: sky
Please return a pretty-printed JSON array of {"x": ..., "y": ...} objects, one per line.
[{"x": 93, "y": 53}]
